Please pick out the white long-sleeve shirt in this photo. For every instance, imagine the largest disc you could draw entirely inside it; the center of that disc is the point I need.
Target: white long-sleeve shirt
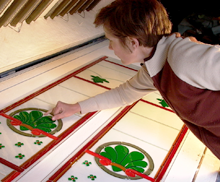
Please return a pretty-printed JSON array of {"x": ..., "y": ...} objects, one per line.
[{"x": 187, "y": 74}]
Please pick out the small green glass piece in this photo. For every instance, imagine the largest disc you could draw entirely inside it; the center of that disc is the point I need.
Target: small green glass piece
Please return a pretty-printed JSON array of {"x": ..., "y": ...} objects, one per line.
[
  {"x": 112, "y": 153},
  {"x": 72, "y": 178},
  {"x": 34, "y": 116},
  {"x": 163, "y": 103},
  {"x": 97, "y": 79},
  {"x": 92, "y": 177},
  {"x": 87, "y": 163},
  {"x": 122, "y": 152},
  {"x": 137, "y": 166},
  {"x": 20, "y": 156},
  {"x": 38, "y": 142},
  {"x": 1, "y": 146},
  {"x": 24, "y": 116},
  {"x": 19, "y": 144}
]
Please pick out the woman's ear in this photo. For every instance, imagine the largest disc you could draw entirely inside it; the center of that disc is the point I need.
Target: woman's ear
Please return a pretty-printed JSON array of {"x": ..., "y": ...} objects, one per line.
[{"x": 133, "y": 43}]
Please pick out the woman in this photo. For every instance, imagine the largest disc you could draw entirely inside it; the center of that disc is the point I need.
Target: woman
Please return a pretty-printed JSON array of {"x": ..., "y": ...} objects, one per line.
[{"x": 185, "y": 72}]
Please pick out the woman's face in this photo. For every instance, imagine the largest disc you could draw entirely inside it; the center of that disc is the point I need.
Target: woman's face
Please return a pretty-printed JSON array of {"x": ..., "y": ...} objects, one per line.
[{"x": 126, "y": 54}]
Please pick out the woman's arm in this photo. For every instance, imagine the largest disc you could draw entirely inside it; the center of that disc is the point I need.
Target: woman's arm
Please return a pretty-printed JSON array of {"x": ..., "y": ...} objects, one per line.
[{"x": 127, "y": 93}]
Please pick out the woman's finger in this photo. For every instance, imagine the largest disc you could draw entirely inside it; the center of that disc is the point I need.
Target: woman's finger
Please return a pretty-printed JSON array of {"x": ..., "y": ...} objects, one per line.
[{"x": 48, "y": 112}]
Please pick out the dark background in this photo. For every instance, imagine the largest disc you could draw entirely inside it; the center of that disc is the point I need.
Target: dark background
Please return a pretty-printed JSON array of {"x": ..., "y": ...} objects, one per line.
[{"x": 191, "y": 10}]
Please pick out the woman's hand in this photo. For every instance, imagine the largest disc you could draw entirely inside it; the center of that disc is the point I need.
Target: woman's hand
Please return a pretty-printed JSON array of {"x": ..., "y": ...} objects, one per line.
[
  {"x": 63, "y": 110},
  {"x": 193, "y": 39}
]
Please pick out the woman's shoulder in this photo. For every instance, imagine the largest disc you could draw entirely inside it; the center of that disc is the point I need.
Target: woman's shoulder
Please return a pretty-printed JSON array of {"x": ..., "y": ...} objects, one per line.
[
  {"x": 188, "y": 49},
  {"x": 194, "y": 62}
]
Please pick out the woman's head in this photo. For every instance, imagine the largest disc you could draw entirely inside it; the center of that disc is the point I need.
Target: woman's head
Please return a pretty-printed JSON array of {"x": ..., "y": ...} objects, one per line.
[{"x": 145, "y": 20}]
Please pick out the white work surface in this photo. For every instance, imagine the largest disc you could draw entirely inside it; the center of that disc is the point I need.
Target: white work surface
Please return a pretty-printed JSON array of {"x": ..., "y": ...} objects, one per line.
[{"x": 192, "y": 162}]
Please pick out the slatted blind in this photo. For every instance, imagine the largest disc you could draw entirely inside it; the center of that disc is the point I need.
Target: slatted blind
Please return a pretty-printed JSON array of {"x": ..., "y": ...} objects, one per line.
[
  {"x": 85, "y": 5},
  {"x": 13, "y": 12},
  {"x": 4, "y": 4},
  {"x": 38, "y": 10},
  {"x": 68, "y": 8}
]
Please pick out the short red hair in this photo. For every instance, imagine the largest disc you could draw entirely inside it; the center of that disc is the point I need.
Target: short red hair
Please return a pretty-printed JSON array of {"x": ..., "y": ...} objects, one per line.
[{"x": 145, "y": 20}]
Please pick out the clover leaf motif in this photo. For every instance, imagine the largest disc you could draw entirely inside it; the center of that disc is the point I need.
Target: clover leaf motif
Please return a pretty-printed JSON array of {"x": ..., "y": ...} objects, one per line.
[
  {"x": 1, "y": 146},
  {"x": 97, "y": 79},
  {"x": 72, "y": 178},
  {"x": 20, "y": 156},
  {"x": 36, "y": 119},
  {"x": 163, "y": 102},
  {"x": 92, "y": 177},
  {"x": 120, "y": 155}
]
